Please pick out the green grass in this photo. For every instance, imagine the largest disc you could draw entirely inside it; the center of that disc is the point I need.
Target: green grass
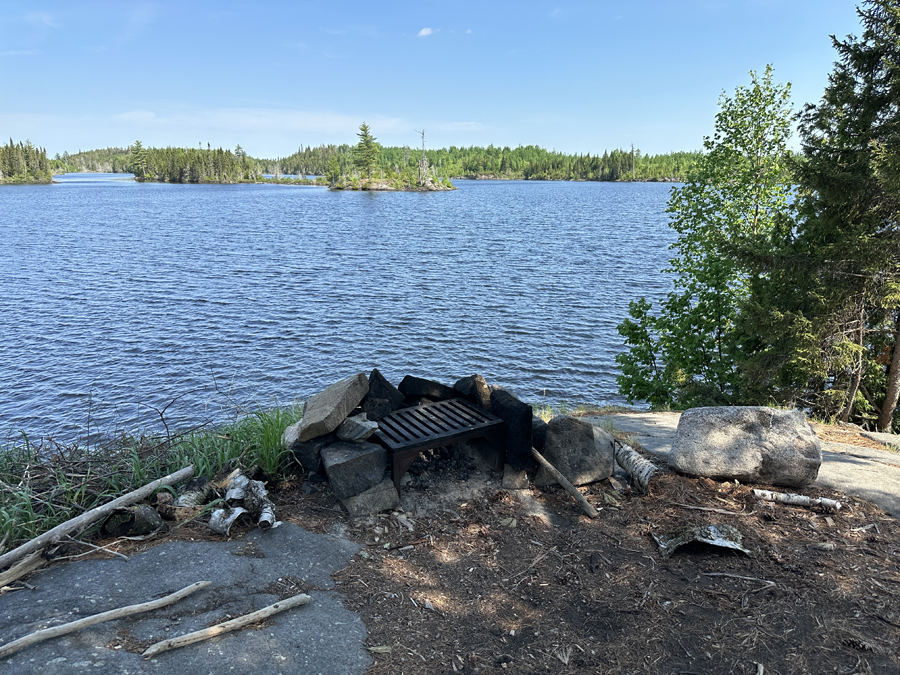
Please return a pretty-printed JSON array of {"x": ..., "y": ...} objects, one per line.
[
  {"x": 548, "y": 412},
  {"x": 43, "y": 485}
]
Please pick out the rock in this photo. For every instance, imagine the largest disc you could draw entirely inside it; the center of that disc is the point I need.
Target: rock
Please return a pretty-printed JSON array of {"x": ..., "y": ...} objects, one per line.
[
  {"x": 538, "y": 433},
  {"x": 324, "y": 411},
  {"x": 378, "y": 498},
  {"x": 514, "y": 480},
  {"x": 356, "y": 429},
  {"x": 517, "y": 416},
  {"x": 416, "y": 387},
  {"x": 353, "y": 468},
  {"x": 475, "y": 389},
  {"x": 580, "y": 451},
  {"x": 309, "y": 453},
  {"x": 383, "y": 397},
  {"x": 751, "y": 444}
]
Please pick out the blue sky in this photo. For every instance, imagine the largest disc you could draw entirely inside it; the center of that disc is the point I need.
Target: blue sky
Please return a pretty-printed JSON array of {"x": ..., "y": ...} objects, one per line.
[{"x": 569, "y": 75}]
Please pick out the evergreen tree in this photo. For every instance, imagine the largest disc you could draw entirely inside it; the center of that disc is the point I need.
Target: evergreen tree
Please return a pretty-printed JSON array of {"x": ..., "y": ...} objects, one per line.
[
  {"x": 827, "y": 305},
  {"x": 366, "y": 152}
]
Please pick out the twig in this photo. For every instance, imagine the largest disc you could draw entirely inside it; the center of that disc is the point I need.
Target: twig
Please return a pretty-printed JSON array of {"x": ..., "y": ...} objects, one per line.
[
  {"x": 96, "y": 548},
  {"x": 85, "y": 519},
  {"x": 66, "y": 628},
  {"x": 765, "y": 582},
  {"x": 535, "y": 562},
  {"x": 227, "y": 627},
  {"x": 706, "y": 508},
  {"x": 562, "y": 480}
]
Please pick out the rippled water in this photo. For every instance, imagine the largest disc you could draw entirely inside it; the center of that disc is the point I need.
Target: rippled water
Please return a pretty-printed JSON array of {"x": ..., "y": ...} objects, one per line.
[{"x": 117, "y": 297}]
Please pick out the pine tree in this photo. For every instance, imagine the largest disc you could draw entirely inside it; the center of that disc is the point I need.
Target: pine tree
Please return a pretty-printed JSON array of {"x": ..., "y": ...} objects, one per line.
[
  {"x": 832, "y": 292},
  {"x": 366, "y": 151}
]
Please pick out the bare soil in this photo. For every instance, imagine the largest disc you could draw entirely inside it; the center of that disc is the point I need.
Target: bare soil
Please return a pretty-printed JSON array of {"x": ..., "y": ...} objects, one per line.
[{"x": 467, "y": 577}]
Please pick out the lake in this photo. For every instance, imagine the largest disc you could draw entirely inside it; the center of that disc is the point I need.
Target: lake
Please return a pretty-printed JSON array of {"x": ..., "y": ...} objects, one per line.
[{"x": 122, "y": 302}]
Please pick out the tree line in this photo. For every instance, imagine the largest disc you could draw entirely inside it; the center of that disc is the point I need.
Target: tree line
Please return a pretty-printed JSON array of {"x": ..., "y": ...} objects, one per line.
[
  {"x": 23, "y": 163},
  {"x": 192, "y": 165},
  {"x": 787, "y": 268},
  {"x": 529, "y": 162},
  {"x": 524, "y": 162}
]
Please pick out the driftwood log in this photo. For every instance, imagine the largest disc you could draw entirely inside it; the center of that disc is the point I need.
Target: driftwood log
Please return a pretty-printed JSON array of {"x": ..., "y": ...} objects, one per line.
[
  {"x": 87, "y": 518},
  {"x": 227, "y": 627},
  {"x": 71, "y": 627},
  {"x": 562, "y": 480},
  {"x": 797, "y": 500},
  {"x": 640, "y": 470}
]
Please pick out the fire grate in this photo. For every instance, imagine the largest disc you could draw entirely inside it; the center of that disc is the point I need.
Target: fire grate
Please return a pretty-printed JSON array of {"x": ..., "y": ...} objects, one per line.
[{"x": 409, "y": 431}]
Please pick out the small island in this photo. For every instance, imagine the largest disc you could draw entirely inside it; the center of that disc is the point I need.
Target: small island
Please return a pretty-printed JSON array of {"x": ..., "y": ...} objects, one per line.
[{"x": 424, "y": 178}]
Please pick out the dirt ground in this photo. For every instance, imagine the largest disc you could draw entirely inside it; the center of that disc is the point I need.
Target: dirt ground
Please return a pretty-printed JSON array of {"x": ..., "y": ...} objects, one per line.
[{"x": 467, "y": 577}]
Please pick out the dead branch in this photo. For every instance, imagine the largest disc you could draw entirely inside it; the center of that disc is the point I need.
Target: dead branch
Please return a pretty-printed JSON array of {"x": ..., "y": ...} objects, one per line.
[
  {"x": 562, "y": 480},
  {"x": 227, "y": 627},
  {"x": 80, "y": 522},
  {"x": 640, "y": 470},
  {"x": 71, "y": 627},
  {"x": 797, "y": 500},
  {"x": 23, "y": 567}
]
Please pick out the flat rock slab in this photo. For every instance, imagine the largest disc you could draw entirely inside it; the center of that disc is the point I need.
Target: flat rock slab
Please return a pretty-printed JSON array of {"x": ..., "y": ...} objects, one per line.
[
  {"x": 247, "y": 574},
  {"x": 652, "y": 431},
  {"x": 892, "y": 440},
  {"x": 873, "y": 475}
]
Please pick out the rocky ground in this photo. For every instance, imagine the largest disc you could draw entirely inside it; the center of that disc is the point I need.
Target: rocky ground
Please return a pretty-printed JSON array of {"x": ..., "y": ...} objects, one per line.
[{"x": 467, "y": 577}]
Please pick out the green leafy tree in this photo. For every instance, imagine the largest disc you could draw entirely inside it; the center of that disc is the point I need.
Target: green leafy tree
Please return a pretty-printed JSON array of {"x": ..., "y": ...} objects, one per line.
[
  {"x": 827, "y": 305},
  {"x": 687, "y": 354},
  {"x": 365, "y": 155}
]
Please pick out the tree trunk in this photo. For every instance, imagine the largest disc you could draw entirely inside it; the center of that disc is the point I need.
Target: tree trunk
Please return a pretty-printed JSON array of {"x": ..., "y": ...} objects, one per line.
[
  {"x": 857, "y": 377},
  {"x": 893, "y": 384}
]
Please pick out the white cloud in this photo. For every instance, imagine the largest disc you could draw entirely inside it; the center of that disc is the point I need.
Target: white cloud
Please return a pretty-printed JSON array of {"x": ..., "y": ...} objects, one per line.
[
  {"x": 23, "y": 52},
  {"x": 425, "y": 32},
  {"x": 42, "y": 20}
]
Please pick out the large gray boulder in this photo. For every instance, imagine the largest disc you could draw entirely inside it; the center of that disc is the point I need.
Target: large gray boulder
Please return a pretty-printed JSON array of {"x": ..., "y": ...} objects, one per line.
[
  {"x": 324, "y": 411},
  {"x": 353, "y": 468},
  {"x": 751, "y": 444},
  {"x": 580, "y": 451}
]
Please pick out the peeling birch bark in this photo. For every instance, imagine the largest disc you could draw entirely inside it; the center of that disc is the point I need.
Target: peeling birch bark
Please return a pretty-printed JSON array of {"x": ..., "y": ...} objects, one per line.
[
  {"x": 640, "y": 470},
  {"x": 797, "y": 500}
]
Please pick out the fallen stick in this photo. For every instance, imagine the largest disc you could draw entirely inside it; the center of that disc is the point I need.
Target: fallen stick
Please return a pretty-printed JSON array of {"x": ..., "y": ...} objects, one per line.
[
  {"x": 20, "y": 569},
  {"x": 71, "y": 627},
  {"x": 85, "y": 519},
  {"x": 227, "y": 627},
  {"x": 640, "y": 470},
  {"x": 562, "y": 480},
  {"x": 797, "y": 500}
]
